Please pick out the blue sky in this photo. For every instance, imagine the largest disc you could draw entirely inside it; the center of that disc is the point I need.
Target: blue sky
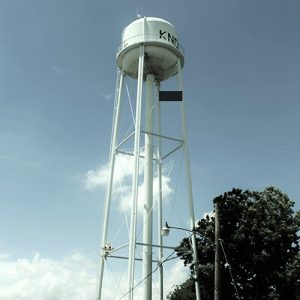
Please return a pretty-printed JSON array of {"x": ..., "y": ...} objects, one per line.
[{"x": 57, "y": 81}]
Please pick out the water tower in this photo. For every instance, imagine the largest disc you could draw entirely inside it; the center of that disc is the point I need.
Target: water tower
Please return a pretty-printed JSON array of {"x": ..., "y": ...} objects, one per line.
[{"x": 150, "y": 52}]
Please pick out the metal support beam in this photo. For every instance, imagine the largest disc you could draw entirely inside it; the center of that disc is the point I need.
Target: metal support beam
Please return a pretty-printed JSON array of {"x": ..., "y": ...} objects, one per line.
[
  {"x": 115, "y": 131},
  {"x": 126, "y": 258},
  {"x": 189, "y": 181},
  {"x": 135, "y": 181}
]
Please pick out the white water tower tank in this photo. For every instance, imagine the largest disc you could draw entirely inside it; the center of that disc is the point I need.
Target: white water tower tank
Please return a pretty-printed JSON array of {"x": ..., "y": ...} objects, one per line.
[{"x": 162, "y": 48}]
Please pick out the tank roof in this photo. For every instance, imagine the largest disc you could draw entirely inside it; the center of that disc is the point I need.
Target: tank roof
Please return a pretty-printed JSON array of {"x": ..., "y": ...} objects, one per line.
[{"x": 150, "y": 19}]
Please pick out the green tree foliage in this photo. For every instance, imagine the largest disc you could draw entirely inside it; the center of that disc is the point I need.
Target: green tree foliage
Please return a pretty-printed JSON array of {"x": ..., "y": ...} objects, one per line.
[
  {"x": 184, "y": 291},
  {"x": 259, "y": 234}
]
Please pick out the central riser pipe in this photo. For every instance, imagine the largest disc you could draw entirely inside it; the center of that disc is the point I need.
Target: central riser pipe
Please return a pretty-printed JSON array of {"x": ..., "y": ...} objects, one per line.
[{"x": 148, "y": 194}]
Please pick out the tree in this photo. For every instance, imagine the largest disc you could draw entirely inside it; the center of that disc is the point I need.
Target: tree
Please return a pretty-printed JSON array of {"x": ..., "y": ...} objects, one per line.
[
  {"x": 184, "y": 291},
  {"x": 259, "y": 235}
]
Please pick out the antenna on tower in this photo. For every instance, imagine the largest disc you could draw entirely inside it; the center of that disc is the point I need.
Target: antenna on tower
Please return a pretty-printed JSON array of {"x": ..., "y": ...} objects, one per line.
[{"x": 138, "y": 16}]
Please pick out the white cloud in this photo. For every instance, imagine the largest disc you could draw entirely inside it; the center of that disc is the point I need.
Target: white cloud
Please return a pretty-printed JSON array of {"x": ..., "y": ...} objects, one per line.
[
  {"x": 46, "y": 279},
  {"x": 176, "y": 275},
  {"x": 72, "y": 278},
  {"x": 122, "y": 183},
  {"x": 99, "y": 178},
  {"x": 4, "y": 256},
  {"x": 96, "y": 178},
  {"x": 127, "y": 197}
]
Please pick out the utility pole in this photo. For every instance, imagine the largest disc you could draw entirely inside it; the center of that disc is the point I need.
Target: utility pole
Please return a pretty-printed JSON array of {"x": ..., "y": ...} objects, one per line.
[{"x": 217, "y": 288}]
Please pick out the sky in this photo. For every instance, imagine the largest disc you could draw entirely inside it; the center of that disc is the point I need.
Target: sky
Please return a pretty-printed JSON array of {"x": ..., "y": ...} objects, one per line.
[{"x": 57, "y": 84}]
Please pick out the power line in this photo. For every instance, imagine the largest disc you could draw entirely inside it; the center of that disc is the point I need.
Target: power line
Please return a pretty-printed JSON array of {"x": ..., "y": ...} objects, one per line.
[
  {"x": 170, "y": 255},
  {"x": 201, "y": 234},
  {"x": 230, "y": 272},
  {"x": 153, "y": 271}
]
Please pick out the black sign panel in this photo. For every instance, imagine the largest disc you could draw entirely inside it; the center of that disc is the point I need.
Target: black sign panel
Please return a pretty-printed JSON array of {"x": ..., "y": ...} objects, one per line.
[{"x": 170, "y": 96}]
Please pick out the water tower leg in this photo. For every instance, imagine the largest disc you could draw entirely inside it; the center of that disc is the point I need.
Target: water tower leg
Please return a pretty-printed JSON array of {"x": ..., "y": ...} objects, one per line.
[
  {"x": 135, "y": 180},
  {"x": 189, "y": 181},
  {"x": 159, "y": 205},
  {"x": 112, "y": 158},
  {"x": 148, "y": 181}
]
